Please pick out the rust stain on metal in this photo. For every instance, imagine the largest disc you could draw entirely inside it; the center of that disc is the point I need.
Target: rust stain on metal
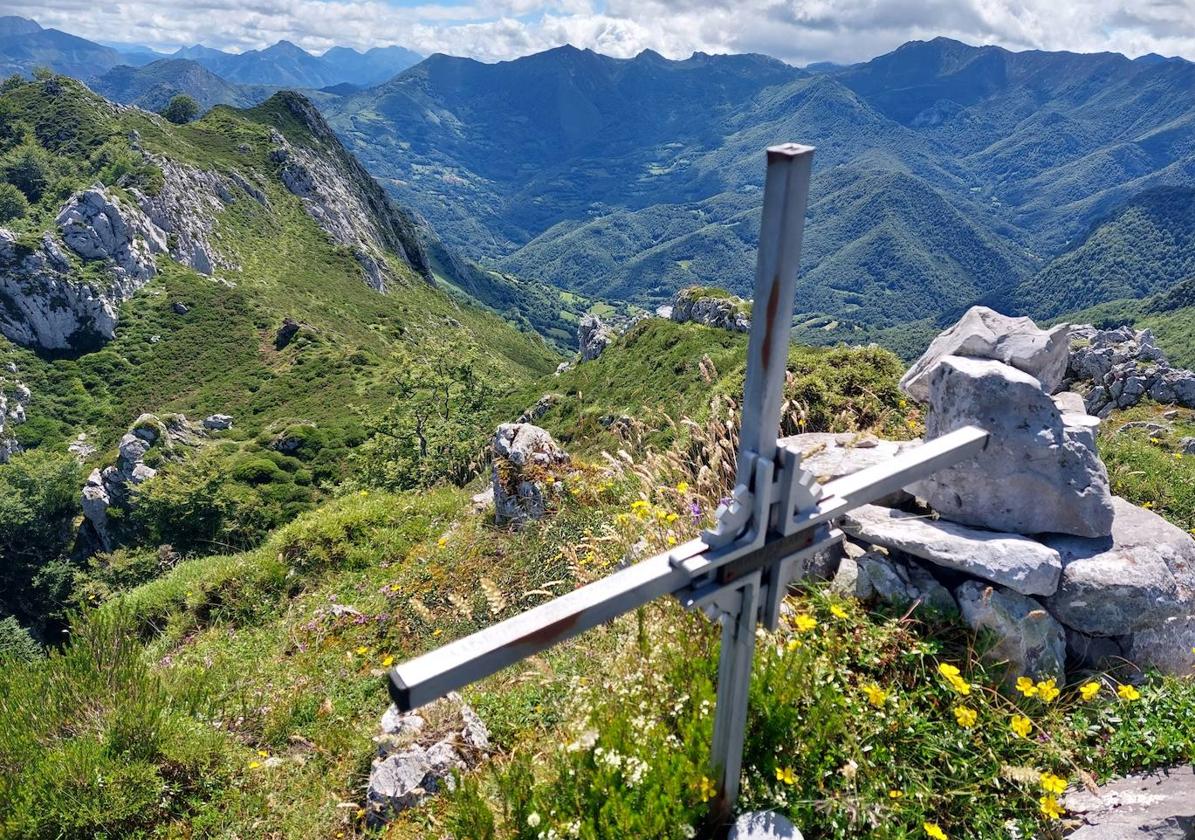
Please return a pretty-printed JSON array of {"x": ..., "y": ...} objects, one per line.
[
  {"x": 547, "y": 634},
  {"x": 770, "y": 322}
]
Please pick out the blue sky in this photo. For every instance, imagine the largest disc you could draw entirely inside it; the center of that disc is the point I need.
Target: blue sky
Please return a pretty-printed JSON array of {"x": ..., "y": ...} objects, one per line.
[{"x": 798, "y": 31}]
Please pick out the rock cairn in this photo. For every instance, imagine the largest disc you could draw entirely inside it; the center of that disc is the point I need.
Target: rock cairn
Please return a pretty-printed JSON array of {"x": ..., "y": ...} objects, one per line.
[
  {"x": 526, "y": 463},
  {"x": 1120, "y": 367},
  {"x": 1024, "y": 540}
]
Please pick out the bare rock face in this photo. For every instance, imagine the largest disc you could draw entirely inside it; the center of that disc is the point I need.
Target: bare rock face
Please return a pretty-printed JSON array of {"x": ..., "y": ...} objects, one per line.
[
  {"x": 344, "y": 200},
  {"x": 880, "y": 576},
  {"x": 1133, "y": 580},
  {"x": 14, "y": 397},
  {"x": 1039, "y": 473},
  {"x": 1028, "y": 638},
  {"x": 419, "y": 751},
  {"x": 722, "y": 311},
  {"x": 44, "y": 304},
  {"x": 1147, "y": 806},
  {"x": 1010, "y": 560},
  {"x": 593, "y": 336},
  {"x": 983, "y": 333},
  {"x": 525, "y": 458},
  {"x": 185, "y": 210}
]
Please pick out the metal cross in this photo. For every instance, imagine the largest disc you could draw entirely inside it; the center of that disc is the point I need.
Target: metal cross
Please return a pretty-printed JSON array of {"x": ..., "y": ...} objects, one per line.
[{"x": 739, "y": 571}]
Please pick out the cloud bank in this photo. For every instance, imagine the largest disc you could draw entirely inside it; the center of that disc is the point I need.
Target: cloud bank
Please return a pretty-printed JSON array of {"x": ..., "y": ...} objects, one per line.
[{"x": 797, "y": 31}]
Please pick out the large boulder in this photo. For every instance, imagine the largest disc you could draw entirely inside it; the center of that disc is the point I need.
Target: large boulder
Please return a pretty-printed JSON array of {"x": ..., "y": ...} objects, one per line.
[
  {"x": 1169, "y": 646},
  {"x": 1150, "y": 806},
  {"x": 1039, "y": 471},
  {"x": 1136, "y": 578},
  {"x": 1027, "y": 637},
  {"x": 829, "y": 455},
  {"x": 1123, "y": 367},
  {"x": 96, "y": 226},
  {"x": 983, "y": 333},
  {"x": 593, "y": 336},
  {"x": 1011, "y": 560},
  {"x": 526, "y": 460}
]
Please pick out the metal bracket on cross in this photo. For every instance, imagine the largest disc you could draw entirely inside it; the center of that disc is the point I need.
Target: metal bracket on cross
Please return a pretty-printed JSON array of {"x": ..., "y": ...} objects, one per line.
[{"x": 739, "y": 571}]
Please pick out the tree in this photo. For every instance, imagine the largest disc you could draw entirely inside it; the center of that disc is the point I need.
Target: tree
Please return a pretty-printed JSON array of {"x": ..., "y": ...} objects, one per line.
[
  {"x": 435, "y": 429},
  {"x": 27, "y": 167},
  {"x": 181, "y": 109},
  {"x": 12, "y": 203}
]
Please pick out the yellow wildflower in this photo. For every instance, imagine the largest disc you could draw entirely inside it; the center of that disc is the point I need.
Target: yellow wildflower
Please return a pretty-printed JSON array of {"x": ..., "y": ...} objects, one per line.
[
  {"x": 793, "y": 644},
  {"x": 263, "y": 753},
  {"x": 1047, "y": 691},
  {"x": 934, "y": 830},
  {"x": 672, "y": 517},
  {"x": 1050, "y": 808},
  {"x": 388, "y": 661},
  {"x": 361, "y": 651},
  {"x": 671, "y": 539},
  {"x": 805, "y": 622},
  {"x": 951, "y": 675},
  {"x": 705, "y": 789},
  {"x": 1127, "y": 692},
  {"x": 443, "y": 541},
  {"x": 1089, "y": 690},
  {"x": 253, "y": 765},
  {"x": 1021, "y": 725},
  {"x": 966, "y": 717},
  {"x": 786, "y": 775},
  {"x": 947, "y": 670},
  {"x": 895, "y": 794},
  {"x": 682, "y": 487},
  {"x": 1026, "y": 686},
  {"x": 1052, "y": 784},
  {"x": 876, "y": 696},
  {"x": 837, "y": 611},
  {"x": 1147, "y": 505}
]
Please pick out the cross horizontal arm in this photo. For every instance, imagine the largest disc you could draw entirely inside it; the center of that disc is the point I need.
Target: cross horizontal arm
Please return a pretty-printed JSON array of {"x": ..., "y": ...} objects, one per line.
[{"x": 425, "y": 678}]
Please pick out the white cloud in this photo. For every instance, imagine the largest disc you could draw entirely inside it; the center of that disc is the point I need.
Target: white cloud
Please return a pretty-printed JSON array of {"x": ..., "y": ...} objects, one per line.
[{"x": 795, "y": 30}]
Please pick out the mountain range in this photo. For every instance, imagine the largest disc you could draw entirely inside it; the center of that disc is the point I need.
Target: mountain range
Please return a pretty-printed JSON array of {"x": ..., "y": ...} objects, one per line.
[{"x": 945, "y": 174}]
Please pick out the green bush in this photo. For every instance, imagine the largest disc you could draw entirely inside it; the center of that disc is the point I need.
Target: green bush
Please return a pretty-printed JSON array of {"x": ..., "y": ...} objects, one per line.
[
  {"x": 13, "y": 204},
  {"x": 27, "y": 167},
  {"x": 15, "y": 643},
  {"x": 257, "y": 471}
]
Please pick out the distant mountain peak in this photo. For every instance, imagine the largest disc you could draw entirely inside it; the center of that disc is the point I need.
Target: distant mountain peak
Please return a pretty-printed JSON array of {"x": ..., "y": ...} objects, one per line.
[{"x": 11, "y": 25}]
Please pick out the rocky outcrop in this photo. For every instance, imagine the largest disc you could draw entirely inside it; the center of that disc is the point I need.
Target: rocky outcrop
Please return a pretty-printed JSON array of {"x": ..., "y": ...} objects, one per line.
[
  {"x": 343, "y": 199},
  {"x": 43, "y": 301},
  {"x": 526, "y": 461},
  {"x": 185, "y": 208},
  {"x": 1011, "y": 560},
  {"x": 1135, "y": 579},
  {"x": 217, "y": 422},
  {"x": 14, "y": 397},
  {"x": 1038, "y": 473},
  {"x": 593, "y": 336},
  {"x": 113, "y": 485},
  {"x": 888, "y": 577},
  {"x": 983, "y": 333},
  {"x": 1149, "y": 806},
  {"x": 1123, "y": 366},
  {"x": 1027, "y": 637},
  {"x": 711, "y": 307},
  {"x": 763, "y": 825},
  {"x": 419, "y": 751}
]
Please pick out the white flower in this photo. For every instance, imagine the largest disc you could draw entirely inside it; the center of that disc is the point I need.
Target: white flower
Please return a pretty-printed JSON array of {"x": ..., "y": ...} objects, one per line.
[
  {"x": 533, "y": 819},
  {"x": 689, "y": 831}
]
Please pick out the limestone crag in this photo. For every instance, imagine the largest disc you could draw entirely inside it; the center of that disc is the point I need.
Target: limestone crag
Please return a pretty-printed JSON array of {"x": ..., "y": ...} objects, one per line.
[
  {"x": 419, "y": 751},
  {"x": 525, "y": 461},
  {"x": 344, "y": 200},
  {"x": 986, "y": 334},
  {"x": 1150, "y": 806},
  {"x": 14, "y": 397},
  {"x": 593, "y": 336},
  {"x": 1123, "y": 366},
  {"x": 185, "y": 210},
  {"x": 112, "y": 485},
  {"x": 713, "y": 309}
]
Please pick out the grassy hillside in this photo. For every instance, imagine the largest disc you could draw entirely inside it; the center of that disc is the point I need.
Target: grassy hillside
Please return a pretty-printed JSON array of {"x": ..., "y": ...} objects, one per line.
[
  {"x": 1145, "y": 247},
  {"x": 227, "y": 697}
]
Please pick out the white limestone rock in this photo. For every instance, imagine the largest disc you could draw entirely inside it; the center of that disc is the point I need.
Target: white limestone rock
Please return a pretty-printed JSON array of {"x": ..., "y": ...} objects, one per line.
[
  {"x": 1011, "y": 560},
  {"x": 1150, "y": 806},
  {"x": 525, "y": 456},
  {"x": 1038, "y": 473},
  {"x": 1027, "y": 637},
  {"x": 983, "y": 333},
  {"x": 217, "y": 422},
  {"x": 593, "y": 336},
  {"x": 763, "y": 825},
  {"x": 713, "y": 310},
  {"x": 899, "y": 582},
  {"x": 1135, "y": 579}
]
